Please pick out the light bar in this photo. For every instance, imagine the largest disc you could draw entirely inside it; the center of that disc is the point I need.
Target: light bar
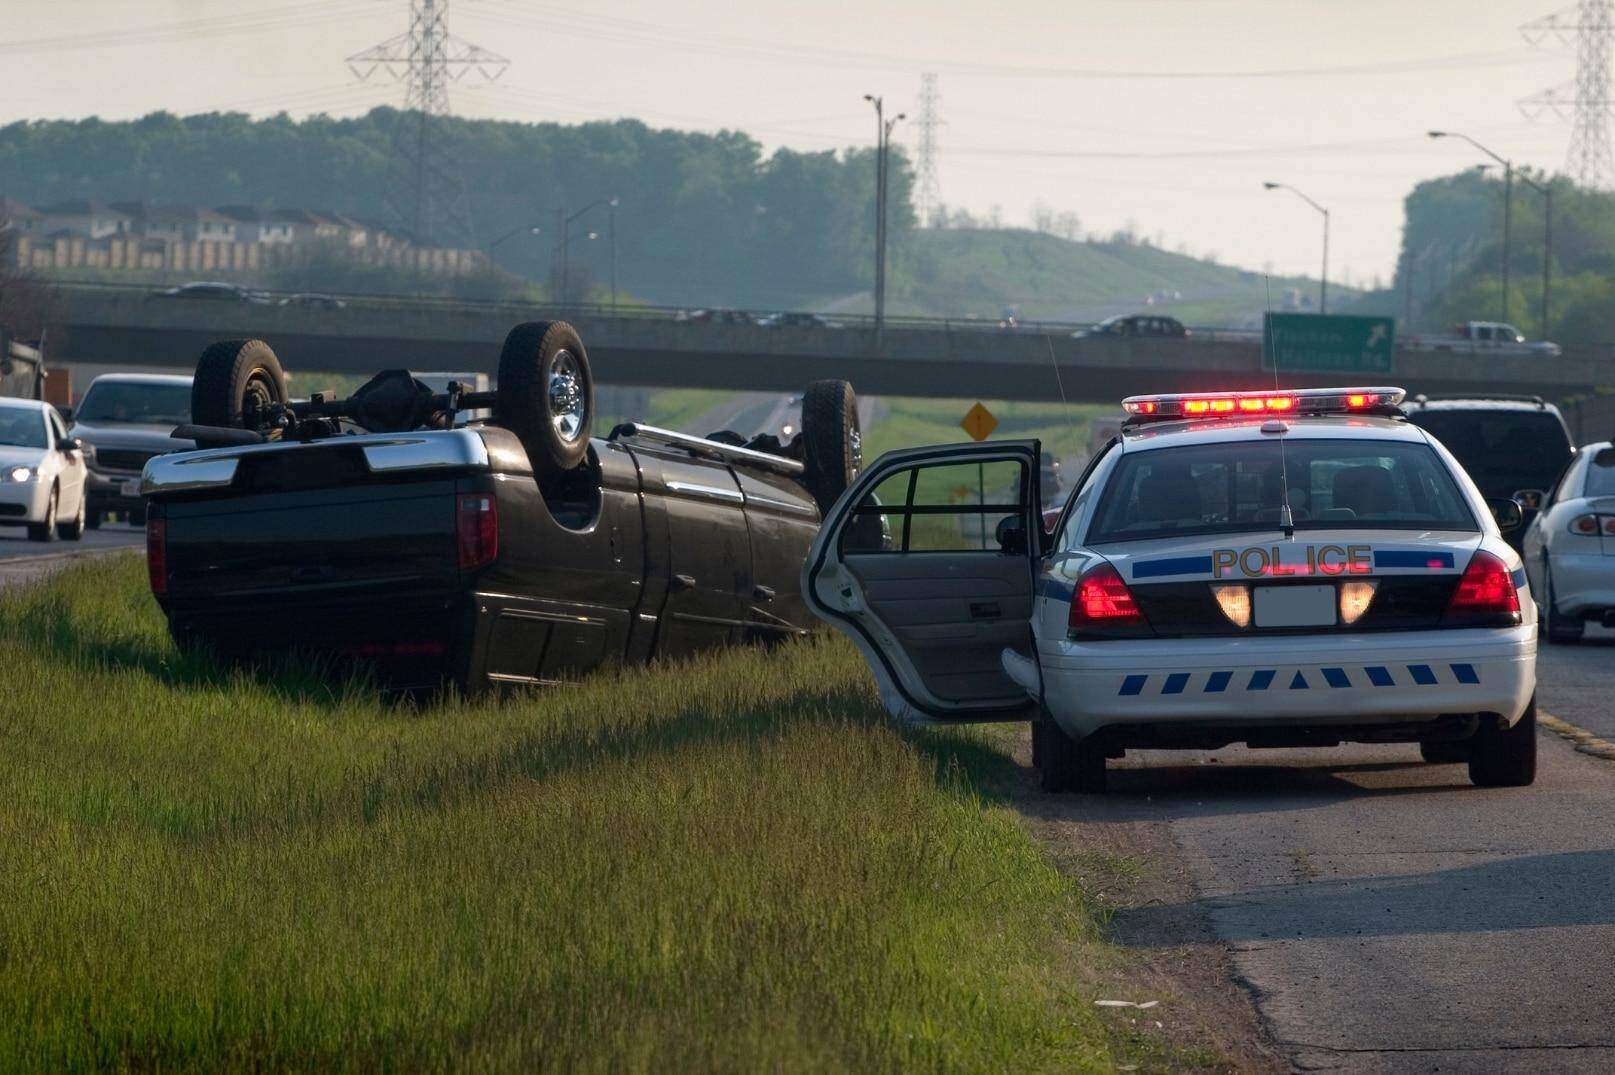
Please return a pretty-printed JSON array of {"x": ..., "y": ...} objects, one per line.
[{"x": 1277, "y": 402}]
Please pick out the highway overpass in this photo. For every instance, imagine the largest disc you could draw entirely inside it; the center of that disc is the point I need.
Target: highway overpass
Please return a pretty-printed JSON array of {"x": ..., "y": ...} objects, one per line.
[{"x": 129, "y": 327}]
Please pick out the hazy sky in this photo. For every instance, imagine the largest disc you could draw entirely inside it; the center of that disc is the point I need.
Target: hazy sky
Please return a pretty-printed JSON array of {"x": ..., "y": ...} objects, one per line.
[{"x": 1081, "y": 104}]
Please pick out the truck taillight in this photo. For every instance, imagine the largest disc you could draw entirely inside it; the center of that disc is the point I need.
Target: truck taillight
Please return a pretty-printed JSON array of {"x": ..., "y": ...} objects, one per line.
[
  {"x": 1485, "y": 596},
  {"x": 477, "y": 524},
  {"x": 157, "y": 553},
  {"x": 1102, "y": 604}
]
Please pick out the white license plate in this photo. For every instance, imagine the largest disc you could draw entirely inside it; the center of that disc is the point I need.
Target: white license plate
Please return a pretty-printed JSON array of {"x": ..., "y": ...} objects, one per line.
[
  {"x": 1295, "y": 606},
  {"x": 130, "y": 488}
]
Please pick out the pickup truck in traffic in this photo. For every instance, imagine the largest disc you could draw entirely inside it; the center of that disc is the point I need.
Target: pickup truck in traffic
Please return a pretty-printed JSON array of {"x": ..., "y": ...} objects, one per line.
[
  {"x": 1482, "y": 337},
  {"x": 124, "y": 420},
  {"x": 517, "y": 550}
]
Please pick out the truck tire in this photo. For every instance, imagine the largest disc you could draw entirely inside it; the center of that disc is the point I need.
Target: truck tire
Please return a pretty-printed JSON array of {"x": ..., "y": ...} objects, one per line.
[
  {"x": 832, "y": 443},
  {"x": 1505, "y": 757},
  {"x": 236, "y": 381},
  {"x": 546, "y": 395}
]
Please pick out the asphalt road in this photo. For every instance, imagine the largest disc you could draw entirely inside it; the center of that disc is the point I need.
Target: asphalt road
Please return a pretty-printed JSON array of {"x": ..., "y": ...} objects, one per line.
[
  {"x": 1388, "y": 916},
  {"x": 14, "y": 541}
]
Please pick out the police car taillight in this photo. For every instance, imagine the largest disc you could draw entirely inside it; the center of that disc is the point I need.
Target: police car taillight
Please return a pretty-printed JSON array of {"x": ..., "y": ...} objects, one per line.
[
  {"x": 1247, "y": 404},
  {"x": 1485, "y": 596},
  {"x": 1103, "y": 602}
]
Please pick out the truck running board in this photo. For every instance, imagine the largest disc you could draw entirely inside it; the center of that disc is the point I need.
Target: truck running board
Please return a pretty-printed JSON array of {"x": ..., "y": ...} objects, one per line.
[{"x": 712, "y": 449}]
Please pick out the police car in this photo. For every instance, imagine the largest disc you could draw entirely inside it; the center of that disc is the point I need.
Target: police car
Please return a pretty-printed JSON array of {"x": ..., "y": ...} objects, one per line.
[{"x": 1285, "y": 568}]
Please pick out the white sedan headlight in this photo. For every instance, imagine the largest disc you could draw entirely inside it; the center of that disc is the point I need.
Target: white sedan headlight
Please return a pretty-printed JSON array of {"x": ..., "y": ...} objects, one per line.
[{"x": 20, "y": 474}]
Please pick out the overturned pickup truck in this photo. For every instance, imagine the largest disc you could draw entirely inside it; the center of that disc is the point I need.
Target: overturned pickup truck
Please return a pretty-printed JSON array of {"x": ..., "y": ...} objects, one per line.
[{"x": 513, "y": 550}]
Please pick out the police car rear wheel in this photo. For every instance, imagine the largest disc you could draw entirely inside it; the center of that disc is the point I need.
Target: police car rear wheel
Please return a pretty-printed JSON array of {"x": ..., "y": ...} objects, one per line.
[
  {"x": 1066, "y": 764},
  {"x": 1505, "y": 757}
]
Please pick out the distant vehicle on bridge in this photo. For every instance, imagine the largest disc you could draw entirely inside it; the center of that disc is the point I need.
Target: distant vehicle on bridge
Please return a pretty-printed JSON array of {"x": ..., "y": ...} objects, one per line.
[
  {"x": 797, "y": 320},
  {"x": 315, "y": 300},
  {"x": 214, "y": 290},
  {"x": 1482, "y": 337},
  {"x": 716, "y": 317},
  {"x": 1152, "y": 325}
]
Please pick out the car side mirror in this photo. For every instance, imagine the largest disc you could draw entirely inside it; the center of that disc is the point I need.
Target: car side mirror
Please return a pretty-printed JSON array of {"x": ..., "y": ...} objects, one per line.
[
  {"x": 70, "y": 444},
  {"x": 1530, "y": 499},
  {"x": 1011, "y": 535},
  {"x": 1507, "y": 513}
]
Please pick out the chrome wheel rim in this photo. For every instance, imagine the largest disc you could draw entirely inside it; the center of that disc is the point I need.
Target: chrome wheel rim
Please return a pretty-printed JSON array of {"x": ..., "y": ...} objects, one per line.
[
  {"x": 855, "y": 444},
  {"x": 568, "y": 408}
]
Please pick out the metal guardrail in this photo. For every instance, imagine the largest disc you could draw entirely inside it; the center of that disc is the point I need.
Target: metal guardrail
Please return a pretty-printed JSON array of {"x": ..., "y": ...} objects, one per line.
[{"x": 520, "y": 308}]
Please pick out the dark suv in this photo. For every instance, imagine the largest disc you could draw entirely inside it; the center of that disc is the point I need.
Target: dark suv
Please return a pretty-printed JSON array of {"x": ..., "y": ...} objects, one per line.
[{"x": 1512, "y": 446}]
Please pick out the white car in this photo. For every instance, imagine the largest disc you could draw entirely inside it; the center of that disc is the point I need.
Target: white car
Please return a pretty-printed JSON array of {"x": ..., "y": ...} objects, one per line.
[
  {"x": 1570, "y": 548},
  {"x": 1276, "y": 568},
  {"x": 42, "y": 472}
]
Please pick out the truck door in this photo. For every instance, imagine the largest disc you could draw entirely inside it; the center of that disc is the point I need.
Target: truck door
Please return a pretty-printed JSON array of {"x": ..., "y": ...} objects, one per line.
[
  {"x": 709, "y": 555},
  {"x": 927, "y": 564}
]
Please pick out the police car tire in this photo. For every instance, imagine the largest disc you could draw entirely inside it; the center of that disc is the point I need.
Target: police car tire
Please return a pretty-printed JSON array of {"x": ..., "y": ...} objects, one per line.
[
  {"x": 832, "y": 444},
  {"x": 1505, "y": 757},
  {"x": 534, "y": 353},
  {"x": 1559, "y": 631},
  {"x": 1054, "y": 754}
]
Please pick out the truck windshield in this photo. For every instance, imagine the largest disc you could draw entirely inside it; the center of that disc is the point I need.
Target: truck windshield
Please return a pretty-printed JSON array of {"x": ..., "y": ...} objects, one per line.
[
  {"x": 1503, "y": 450},
  {"x": 1227, "y": 488},
  {"x": 131, "y": 401},
  {"x": 22, "y": 427}
]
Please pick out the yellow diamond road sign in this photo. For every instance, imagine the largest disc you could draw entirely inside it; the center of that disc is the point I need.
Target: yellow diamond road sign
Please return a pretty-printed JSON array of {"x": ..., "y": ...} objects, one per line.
[{"x": 979, "y": 422}]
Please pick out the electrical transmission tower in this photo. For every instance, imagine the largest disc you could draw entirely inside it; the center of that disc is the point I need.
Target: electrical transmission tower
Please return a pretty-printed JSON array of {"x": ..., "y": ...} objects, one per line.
[
  {"x": 1586, "y": 102},
  {"x": 927, "y": 193},
  {"x": 427, "y": 192}
]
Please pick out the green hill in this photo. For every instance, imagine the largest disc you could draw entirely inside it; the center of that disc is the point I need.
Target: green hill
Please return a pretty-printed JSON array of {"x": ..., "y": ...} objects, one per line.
[{"x": 980, "y": 272}]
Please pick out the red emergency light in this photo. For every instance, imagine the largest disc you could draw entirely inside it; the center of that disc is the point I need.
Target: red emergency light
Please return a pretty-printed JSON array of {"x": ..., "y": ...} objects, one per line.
[{"x": 1277, "y": 402}]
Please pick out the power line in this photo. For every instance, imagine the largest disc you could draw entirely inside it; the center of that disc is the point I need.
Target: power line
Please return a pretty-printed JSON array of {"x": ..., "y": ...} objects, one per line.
[
  {"x": 428, "y": 194},
  {"x": 660, "y": 36},
  {"x": 185, "y": 30},
  {"x": 1586, "y": 102},
  {"x": 927, "y": 192}
]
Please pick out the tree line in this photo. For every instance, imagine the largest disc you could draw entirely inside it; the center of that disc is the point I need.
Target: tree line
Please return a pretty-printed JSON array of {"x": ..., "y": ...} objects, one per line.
[{"x": 702, "y": 219}]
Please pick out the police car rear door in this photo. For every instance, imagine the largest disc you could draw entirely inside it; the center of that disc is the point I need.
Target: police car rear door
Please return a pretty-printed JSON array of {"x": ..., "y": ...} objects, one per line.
[{"x": 927, "y": 564}]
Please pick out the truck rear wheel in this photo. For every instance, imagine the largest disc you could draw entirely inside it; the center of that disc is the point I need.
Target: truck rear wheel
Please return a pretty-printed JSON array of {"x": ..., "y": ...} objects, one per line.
[
  {"x": 237, "y": 383},
  {"x": 832, "y": 441},
  {"x": 546, "y": 394}
]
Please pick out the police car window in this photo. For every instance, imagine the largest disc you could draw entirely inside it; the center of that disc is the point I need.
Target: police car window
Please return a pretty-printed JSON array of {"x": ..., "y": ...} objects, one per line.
[
  {"x": 1601, "y": 474},
  {"x": 954, "y": 507},
  {"x": 1333, "y": 484}
]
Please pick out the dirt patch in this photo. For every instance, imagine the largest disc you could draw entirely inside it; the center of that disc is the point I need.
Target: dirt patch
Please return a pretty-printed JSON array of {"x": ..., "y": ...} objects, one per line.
[{"x": 1206, "y": 1019}]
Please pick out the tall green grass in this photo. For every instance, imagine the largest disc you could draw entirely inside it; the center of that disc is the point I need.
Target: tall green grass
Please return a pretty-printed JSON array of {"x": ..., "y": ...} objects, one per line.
[{"x": 734, "y": 863}]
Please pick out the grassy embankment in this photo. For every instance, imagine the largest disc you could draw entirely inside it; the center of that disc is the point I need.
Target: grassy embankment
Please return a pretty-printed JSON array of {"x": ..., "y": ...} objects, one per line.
[{"x": 728, "y": 864}]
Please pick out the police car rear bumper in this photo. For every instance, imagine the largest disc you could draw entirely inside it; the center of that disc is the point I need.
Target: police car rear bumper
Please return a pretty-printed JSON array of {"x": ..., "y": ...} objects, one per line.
[{"x": 1296, "y": 681}]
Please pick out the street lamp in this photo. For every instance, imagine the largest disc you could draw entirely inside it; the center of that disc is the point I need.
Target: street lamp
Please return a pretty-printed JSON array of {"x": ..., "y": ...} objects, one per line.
[
  {"x": 883, "y": 137},
  {"x": 1323, "y": 281},
  {"x": 531, "y": 229},
  {"x": 1508, "y": 199},
  {"x": 563, "y": 226}
]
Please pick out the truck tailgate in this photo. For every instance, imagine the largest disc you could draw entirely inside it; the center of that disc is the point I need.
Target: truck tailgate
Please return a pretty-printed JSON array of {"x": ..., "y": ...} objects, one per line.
[{"x": 337, "y": 542}]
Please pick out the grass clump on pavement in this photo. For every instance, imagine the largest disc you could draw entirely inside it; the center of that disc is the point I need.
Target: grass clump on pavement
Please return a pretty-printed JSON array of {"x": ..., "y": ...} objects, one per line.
[{"x": 732, "y": 863}]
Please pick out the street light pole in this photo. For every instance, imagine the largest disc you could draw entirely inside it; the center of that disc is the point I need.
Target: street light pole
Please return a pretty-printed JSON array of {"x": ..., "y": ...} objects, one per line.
[
  {"x": 531, "y": 229},
  {"x": 1547, "y": 246},
  {"x": 880, "y": 208},
  {"x": 564, "y": 229},
  {"x": 1508, "y": 198},
  {"x": 612, "y": 227},
  {"x": 1323, "y": 280}
]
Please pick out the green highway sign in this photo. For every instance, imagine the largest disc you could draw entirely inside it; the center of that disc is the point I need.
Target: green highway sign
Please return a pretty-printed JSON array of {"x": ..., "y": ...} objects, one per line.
[{"x": 1326, "y": 343}]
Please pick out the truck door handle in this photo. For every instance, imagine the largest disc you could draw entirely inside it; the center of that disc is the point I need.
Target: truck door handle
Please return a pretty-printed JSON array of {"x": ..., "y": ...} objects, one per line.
[
  {"x": 681, "y": 582},
  {"x": 985, "y": 610},
  {"x": 763, "y": 593}
]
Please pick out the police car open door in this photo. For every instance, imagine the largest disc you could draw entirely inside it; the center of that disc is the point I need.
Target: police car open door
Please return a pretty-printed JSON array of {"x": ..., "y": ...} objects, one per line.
[{"x": 927, "y": 563}]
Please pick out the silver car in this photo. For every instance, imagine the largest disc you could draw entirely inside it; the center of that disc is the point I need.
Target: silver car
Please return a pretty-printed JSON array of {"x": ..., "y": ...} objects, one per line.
[{"x": 1569, "y": 550}]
